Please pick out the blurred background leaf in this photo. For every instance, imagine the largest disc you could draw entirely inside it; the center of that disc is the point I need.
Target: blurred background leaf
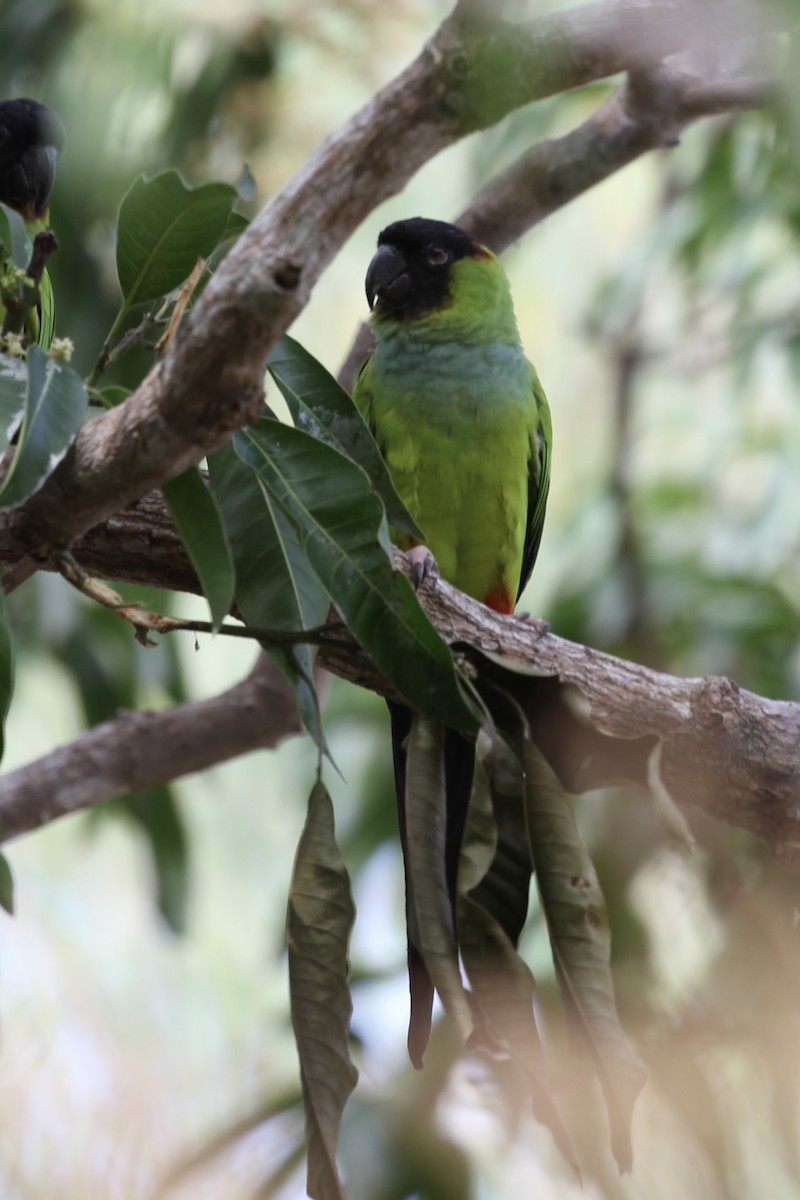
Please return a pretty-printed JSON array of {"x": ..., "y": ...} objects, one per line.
[{"x": 55, "y": 406}]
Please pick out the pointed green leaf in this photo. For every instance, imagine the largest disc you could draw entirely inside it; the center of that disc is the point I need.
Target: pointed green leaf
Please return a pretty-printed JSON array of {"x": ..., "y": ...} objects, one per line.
[
  {"x": 342, "y": 529},
  {"x": 275, "y": 585},
  {"x": 579, "y": 936},
  {"x": 163, "y": 228},
  {"x": 55, "y": 405},
  {"x": 14, "y": 238},
  {"x": 6, "y": 886},
  {"x": 199, "y": 522},
  {"x": 321, "y": 407},
  {"x": 425, "y": 811},
  {"x": 319, "y": 921},
  {"x": 234, "y": 228},
  {"x": 6, "y": 672},
  {"x": 13, "y": 385}
]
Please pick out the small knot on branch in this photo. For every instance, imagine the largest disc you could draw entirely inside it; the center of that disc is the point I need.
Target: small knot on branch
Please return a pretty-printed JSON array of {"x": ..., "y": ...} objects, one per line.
[
  {"x": 287, "y": 275},
  {"x": 653, "y": 97}
]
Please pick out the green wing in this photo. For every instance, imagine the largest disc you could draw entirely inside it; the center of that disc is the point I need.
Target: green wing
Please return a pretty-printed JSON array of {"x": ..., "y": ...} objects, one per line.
[{"x": 538, "y": 480}]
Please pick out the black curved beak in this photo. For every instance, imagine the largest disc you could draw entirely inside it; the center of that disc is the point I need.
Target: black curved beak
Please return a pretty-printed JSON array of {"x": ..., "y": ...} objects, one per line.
[{"x": 387, "y": 279}]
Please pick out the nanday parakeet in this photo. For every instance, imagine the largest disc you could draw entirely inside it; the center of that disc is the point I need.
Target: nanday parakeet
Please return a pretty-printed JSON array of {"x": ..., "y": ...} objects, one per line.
[
  {"x": 31, "y": 136},
  {"x": 464, "y": 426}
]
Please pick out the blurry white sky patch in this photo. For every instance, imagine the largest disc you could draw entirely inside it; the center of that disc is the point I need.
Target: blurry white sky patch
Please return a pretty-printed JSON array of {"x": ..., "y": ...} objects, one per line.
[{"x": 685, "y": 935}]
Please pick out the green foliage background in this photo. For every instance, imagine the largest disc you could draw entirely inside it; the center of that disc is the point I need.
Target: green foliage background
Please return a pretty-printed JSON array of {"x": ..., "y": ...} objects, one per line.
[{"x": 662, "y": 313}]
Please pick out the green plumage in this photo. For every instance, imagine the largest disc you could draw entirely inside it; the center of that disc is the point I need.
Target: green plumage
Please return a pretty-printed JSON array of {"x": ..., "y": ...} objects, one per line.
[{"x": 463, "y": 424}]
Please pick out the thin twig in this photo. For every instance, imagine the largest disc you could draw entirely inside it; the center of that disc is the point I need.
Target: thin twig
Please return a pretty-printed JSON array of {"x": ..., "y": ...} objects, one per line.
[
  {"x": 181, "y": 304},
  {"x": 144, "y": 620}
]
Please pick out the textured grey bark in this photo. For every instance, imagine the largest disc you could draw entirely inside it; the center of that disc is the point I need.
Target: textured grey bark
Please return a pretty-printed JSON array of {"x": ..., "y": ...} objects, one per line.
[
  {"x": 140, "y": 749},
  {"x": 724, "y": 751}
]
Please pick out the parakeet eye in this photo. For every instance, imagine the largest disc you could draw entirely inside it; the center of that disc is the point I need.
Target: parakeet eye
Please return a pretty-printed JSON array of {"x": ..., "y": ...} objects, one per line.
[{"x": 437, "y": 255}]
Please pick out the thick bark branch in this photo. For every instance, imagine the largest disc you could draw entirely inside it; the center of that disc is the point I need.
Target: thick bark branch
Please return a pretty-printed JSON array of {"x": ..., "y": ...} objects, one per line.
[
  {"x": 725, "y": 751},
  {"x": 469, "y": 75},
  {"x": 140, "y": 749},
  {"x": 649, "y": 111}
]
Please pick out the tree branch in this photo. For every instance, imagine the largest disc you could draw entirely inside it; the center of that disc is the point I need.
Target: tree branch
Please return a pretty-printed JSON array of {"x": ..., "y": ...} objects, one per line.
[
  {"x": 717, "y": 740},
  {"x": 140, "y": 749},
  {"x": 732, "y": 755},
  {"x": 649, "y": 111},
  {"x": 470, "y": 74}
]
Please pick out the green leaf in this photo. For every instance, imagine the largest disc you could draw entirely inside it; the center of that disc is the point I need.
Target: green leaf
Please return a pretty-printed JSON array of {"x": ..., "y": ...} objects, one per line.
[
  {"x": 6, "y": 672},
  {"x": 199, "y": 522},
  {"x": 577, "y": 923},
  {"x": 163, "y": 228},
  {"x": 6, "y": 886},
  {"x": 234, "y": 228},
  {"x": 275, "y": 585},
  {"x": 55, "y": 405},
  {"x": 13, "y": 385},
  {"x": 319, "y": 921},
  {"x": 342, "y": 529},
  {"x": 321, "y": 407},
  {"x": 156, "y": 811},
  {"x": 14, "y": 237},
  {"x": 426, "y": 816}
]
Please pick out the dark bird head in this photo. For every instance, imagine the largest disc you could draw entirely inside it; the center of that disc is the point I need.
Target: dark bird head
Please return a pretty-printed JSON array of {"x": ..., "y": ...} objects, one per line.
[
  {"x": 411, "y": 273},
  {"x": 31, "y": 137}
]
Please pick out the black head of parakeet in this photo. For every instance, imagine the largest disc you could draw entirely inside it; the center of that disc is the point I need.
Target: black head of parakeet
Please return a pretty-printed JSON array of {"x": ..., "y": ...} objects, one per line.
[
  {"x": 31, "y": 136},
  {"x": 410, "y": 273}
]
